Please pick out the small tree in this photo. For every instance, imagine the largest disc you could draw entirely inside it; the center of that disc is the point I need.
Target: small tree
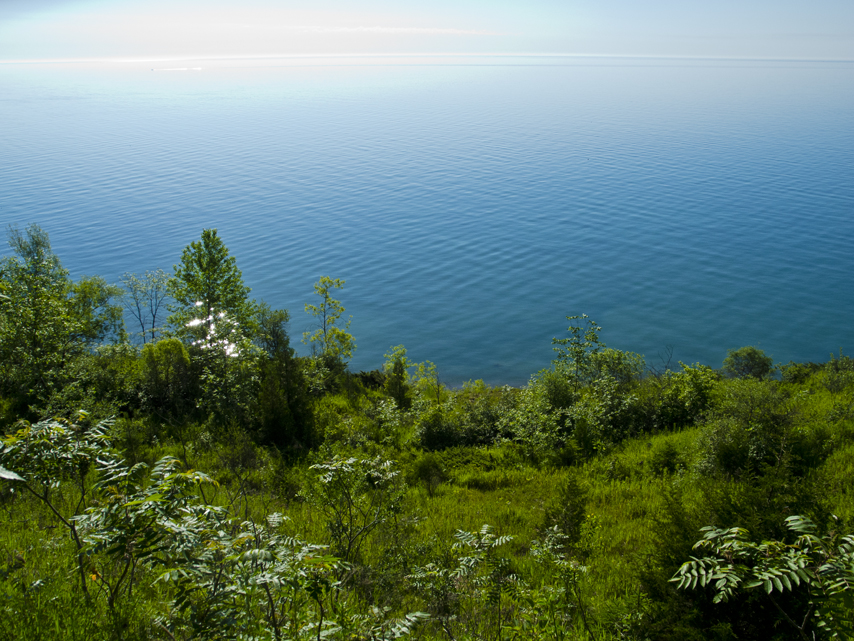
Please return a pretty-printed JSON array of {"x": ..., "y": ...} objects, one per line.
[
  {"x": 485, "y": 570},
  {"x": 397, "y": 376},
  {"x": 334, "y": 345},
  {"x": 44, "y": 458},
  {"x": 427, "y": 383},
  {"x": 575, "y": 352},
  {"x": 166, "y": 379},
  {"x": 356, "y": 496},
  {"x": 555, "y": 605},
  {"x": 145, "y": 298}
]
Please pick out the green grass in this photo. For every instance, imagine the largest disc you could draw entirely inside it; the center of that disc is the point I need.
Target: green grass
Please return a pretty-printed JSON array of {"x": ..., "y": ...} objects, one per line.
[{"x": 628, "y": 492}]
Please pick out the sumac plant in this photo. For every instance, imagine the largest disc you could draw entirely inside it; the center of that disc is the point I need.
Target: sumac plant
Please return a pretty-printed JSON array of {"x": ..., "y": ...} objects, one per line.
[
  {"x": 820, "y": 568},
  {"x": 51, "y": 460},
  {"x": 217, "y": 577}
]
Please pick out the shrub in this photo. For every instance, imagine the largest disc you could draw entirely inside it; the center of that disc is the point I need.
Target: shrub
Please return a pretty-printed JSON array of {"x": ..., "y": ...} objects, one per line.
[
  {"x": 684, "y": 396},
  {"x": 837, "y": 374},
  {"x": 167, "y": 381},
  {"x": 534, "y": 424},
  {"x": 356, "y": 496},
  {"x": 666, "y": 459},
  {"x": 556, "y": 387},
  {"x": 748, "y": 362},
  {"x": 479, "y": 409},
  {"x": 437, "y": 430},
  {"x": 567, "y": 511},
  {"x": 798, "y": 373},
  {"x": 623, "y": 367},
  {"x": 428, "y": 471},
  {"x": 605, "y": 416},
  {"x": 750, "y": 427}
]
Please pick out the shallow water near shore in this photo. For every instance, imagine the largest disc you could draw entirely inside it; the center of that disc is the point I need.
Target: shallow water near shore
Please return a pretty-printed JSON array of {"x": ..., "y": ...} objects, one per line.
[{"x": 469, "y": 203}]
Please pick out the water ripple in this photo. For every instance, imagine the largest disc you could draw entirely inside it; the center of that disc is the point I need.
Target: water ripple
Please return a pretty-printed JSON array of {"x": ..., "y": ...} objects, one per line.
[{"x": 469, "y": 209}]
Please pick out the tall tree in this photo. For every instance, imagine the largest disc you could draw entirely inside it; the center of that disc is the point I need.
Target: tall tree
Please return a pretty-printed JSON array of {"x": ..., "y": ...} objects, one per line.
[
  {"x": 214, "y": 314},
  {"x": 37, "y": 330},
  {"x": 208, "y": 286}
]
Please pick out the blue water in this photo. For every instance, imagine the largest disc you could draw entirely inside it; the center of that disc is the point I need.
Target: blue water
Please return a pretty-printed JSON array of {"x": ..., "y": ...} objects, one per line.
[{"x": 471, "y": 203}]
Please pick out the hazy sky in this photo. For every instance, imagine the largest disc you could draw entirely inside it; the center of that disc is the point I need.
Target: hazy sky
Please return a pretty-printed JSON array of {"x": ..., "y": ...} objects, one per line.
[{"x": 58, "y": 29}]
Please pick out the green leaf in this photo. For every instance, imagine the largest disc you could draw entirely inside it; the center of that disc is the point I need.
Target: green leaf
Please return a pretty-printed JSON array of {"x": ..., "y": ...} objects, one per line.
[
  {"x": 154, "y": 498},
  {"x": 9, "y": 475}
]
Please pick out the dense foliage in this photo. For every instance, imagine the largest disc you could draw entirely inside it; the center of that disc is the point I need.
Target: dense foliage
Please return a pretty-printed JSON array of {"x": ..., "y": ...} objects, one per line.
[{"x": 193, "y": 477}]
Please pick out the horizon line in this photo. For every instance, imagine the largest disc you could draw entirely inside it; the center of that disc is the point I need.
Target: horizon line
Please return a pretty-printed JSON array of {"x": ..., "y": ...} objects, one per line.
[{"x": 297, "y": 56}]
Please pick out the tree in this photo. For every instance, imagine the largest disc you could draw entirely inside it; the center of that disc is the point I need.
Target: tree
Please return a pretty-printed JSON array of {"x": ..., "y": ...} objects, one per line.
[
  {"x": 425, "y": 380},
  {"x": 396, "y": 368},
  {"x": 144, "y": 298},
  {"x": 229, "y": 364},
  {"x": 207, "y": 284},
  {"x": 331, "y": 343},
  {"x": 47, "y": 322},
  {"x": 575, "y": 352},
  {"x": 91, "y": 305},
  {"x": 37, "y": 329},
  {"x": 213, "y": 313},
  {"x": 284, "y": 412},
  {"x": 166, "y": 379},
  {"x": 748, "y": 362}
]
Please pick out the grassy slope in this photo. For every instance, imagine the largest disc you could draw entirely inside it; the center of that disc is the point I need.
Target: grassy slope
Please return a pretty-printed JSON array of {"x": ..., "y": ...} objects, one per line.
[{"x": 626, "y": 500}]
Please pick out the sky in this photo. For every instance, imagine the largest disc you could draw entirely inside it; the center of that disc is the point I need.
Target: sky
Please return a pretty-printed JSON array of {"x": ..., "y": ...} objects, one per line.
[{"x": 143, "y": 29}]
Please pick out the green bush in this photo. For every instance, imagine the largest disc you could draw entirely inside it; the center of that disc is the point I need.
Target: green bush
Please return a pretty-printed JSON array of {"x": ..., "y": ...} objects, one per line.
[
  {"x": 751, "y": 426},
  {"x": 478, "y": 409},
  {"x": 605, "y": 416},
  {"x": 798, "y": 373},
  {"x": 567, "y": 510},
  {"x": 748, "y": 362},
  {"x": 428, "y": 471},
  {"x": 167, "y": 380},
  {"x": 556, "y": 387},
  {"x": 437, "y": 430},
  {"x": 666, "y": 459},
  {"x": 624, "y": 367},
  {"x": 537, "y": 427},
  {"x": 681, "y": 398}
]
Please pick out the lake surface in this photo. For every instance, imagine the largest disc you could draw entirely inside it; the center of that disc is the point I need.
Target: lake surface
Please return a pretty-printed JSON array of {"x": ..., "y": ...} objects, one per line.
[{"x": 469, "y": 203}]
